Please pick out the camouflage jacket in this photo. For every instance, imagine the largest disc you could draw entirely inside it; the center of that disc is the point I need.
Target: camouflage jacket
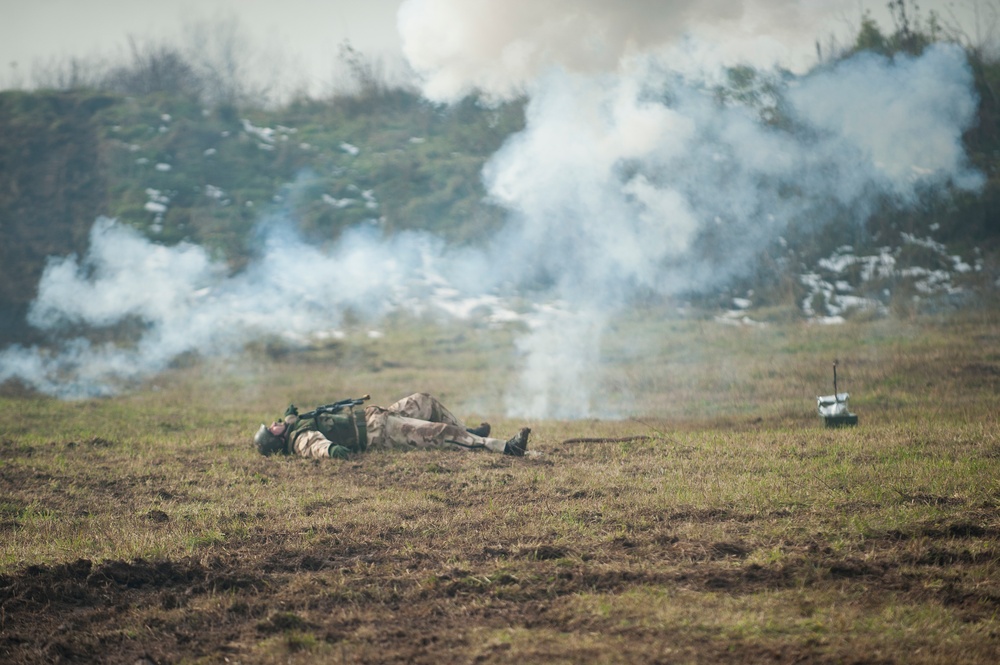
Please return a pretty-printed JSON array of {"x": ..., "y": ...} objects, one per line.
[{"x": 329, "y": 434}]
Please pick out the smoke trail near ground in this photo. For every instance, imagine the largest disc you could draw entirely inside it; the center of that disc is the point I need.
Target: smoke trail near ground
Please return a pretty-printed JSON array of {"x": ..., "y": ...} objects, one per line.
[
  {"x": 634, "y": 174},
  {"x": 181, "y": 301}
]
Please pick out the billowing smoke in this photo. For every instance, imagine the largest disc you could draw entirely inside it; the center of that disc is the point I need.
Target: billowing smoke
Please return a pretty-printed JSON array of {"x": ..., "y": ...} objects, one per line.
[
  {"x": 642, "y": 180},
  {"x": 181, "y": 301},
  {"x": 502, "y": 49},
  {"x": 633, "y": 175}
]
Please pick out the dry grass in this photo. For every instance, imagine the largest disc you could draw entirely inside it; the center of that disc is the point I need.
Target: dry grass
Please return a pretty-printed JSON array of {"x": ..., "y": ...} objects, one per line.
[{"x": 740, "y": 531}]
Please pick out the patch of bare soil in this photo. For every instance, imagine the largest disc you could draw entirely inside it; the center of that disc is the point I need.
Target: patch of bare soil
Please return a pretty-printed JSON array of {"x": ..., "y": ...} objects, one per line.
[
  {"x": 79, "y": 611},
  {"x": 387, "y": 602}
]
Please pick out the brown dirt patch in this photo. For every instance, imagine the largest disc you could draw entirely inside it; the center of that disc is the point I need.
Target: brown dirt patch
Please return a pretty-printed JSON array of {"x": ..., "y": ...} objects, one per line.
[{"x": 389, "y": 606}]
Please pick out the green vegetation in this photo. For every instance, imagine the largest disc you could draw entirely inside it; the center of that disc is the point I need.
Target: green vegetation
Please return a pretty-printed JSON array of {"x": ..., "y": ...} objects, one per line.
[
  {"x": 164, "y": 144},
  {"x": 738, "y": 529},
  {"x": 181, "y": 171}
]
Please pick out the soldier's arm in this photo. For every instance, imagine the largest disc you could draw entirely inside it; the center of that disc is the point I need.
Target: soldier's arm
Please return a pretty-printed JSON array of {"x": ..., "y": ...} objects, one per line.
[{"x": 313, "y": 444}]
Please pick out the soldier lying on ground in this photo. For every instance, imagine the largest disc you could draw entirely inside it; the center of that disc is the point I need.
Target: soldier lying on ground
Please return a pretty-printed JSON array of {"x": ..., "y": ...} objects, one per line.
[{"x": 417, "y": 421}]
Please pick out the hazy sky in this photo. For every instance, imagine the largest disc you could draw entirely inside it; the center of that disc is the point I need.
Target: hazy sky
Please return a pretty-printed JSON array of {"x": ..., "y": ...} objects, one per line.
[
  {"x": 301, "y": 37},
  {"x": 305, "y": 32}
]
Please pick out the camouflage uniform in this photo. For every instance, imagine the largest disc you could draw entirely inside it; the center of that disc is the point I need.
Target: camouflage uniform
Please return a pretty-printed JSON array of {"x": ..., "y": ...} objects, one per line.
[{"x": 417, "y": 421}]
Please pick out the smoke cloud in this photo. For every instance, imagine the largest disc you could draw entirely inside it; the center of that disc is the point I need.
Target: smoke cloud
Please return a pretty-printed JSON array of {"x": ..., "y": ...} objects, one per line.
[
  {"x": 181, "y": 301},
  {"x": 501, "y": 49},
  {"x": 632, "y": 175},
  {"x": 642, "y": 180}
]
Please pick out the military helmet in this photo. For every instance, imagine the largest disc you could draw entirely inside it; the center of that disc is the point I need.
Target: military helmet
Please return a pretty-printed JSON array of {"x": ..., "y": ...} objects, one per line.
[{"x": 267, "y": 443}]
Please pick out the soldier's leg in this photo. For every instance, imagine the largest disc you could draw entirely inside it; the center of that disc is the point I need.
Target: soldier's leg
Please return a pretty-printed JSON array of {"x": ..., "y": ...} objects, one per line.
[
  {"x": 402, "y": 432},
  {"x": 422, "y": 406}
]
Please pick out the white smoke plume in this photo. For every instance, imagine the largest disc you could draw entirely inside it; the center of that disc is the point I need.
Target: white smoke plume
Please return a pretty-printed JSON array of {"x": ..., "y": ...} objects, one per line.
[
  {"x": 644, "y": 181},
  {"x": 631, "y": 176},
  {"x": 502, "y": 48},
  {"x": 630, "y": 173},
  {"x": 184, "y": 302}
]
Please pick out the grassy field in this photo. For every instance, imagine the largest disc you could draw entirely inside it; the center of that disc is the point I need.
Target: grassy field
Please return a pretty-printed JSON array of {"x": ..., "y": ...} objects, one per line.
[{"x": 145, "y": 529}]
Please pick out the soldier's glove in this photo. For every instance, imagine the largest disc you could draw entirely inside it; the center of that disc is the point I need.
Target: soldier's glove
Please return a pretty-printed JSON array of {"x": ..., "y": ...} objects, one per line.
[{"x": 339, "y": 452}]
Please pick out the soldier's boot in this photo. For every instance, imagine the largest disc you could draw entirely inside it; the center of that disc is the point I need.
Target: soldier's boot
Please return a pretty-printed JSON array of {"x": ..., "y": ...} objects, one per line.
[
  {"x": 483, "y": 430},
  {"x": 518, "y": 444}
]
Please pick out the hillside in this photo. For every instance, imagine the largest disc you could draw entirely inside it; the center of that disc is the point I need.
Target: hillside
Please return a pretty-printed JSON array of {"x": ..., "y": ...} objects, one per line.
[
  {"x": 175, "y": 170},
  {"x": 50, "y": 188},
  {"x": 798, "y": 242}
]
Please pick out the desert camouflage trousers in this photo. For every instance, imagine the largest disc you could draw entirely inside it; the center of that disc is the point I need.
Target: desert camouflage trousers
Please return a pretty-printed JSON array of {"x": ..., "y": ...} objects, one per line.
[{"x": 421, "y": 421}]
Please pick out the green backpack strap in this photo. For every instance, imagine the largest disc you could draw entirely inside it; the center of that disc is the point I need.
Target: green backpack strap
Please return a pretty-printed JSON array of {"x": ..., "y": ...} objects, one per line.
[{"x": 361, "y": 425}]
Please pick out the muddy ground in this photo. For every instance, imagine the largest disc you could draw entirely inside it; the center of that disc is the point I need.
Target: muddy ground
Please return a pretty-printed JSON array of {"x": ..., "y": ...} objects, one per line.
[{"x": 386, "y": 599}]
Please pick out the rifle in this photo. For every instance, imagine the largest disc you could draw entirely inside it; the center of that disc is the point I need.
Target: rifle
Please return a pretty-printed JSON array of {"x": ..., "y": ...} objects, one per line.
[{"x": 336, "y": 407}]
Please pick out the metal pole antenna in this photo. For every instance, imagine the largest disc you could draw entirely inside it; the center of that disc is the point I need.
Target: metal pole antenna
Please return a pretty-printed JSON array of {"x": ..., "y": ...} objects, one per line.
[{"x": 836, "y": 395}]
